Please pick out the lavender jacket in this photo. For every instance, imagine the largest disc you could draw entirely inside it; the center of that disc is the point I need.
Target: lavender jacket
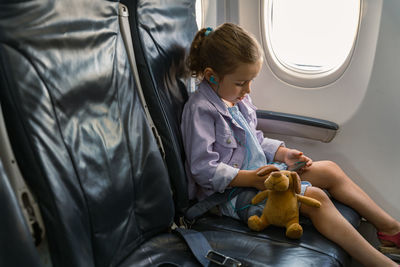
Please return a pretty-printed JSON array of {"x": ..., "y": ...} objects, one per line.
[{"x": 214, "y": 143}]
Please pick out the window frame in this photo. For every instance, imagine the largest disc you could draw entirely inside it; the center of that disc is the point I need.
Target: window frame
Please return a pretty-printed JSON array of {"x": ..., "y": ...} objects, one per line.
[
  {"x": 201, "y": 13},
  {"x": 294, "y": 76}
]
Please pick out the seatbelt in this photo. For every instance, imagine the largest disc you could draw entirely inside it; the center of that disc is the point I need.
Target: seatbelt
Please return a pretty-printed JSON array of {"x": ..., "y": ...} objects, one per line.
[
  {"x": 242, "y": 206},
  {"x": 209, "y": 202},
  {"x": 126, "y": 36},
  {"x": 196, "y": 241},
  {"x": 202, "y": 250}
]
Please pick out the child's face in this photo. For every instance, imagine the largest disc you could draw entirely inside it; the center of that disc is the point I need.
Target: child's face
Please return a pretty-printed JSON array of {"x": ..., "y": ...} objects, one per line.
[{"x": 233, "y": 87}]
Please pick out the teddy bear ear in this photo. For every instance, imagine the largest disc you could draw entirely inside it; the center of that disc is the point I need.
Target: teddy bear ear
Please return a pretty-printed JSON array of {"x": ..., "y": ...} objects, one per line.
[
  {"x": 276, "y": 174},
  {"x": 296, "y": 182}
]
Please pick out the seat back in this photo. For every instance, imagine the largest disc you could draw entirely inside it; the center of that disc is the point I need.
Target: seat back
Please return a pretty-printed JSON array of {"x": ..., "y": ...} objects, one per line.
[
  {"x": 162, "y": 34},
  {"x": 78, "y": 131}
]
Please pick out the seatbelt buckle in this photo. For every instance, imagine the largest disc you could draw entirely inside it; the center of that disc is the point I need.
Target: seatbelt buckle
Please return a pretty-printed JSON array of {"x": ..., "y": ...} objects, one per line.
[
  {"x": 185, "y": 222},
  {"x": 221, "y": 259}
]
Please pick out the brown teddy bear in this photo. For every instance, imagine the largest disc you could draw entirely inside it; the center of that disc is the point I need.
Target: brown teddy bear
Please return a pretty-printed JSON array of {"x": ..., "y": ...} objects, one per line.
[{"x": 282, "y": 206}]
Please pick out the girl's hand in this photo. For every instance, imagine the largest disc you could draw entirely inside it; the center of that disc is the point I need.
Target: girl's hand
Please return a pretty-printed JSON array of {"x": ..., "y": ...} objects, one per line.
[
  {"x": 262, "y": 174},
  {"x": 253, "y": 178},
  {"x": 293, "y": 157}
]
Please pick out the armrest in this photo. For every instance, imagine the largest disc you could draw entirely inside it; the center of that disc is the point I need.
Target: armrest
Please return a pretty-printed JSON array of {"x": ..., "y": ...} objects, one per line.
[{"x": 295, "y": 125}]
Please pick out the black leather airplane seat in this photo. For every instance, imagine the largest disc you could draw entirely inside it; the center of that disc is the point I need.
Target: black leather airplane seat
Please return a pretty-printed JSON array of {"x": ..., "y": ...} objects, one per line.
[
  {"x": 16, "y": 243},
  {"x": 161, "y": 37},
  {"x": 79, "y": 133}
]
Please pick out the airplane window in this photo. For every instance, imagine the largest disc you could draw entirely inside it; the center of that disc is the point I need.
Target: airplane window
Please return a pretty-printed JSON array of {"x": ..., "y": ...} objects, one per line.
[
  {"x": 199, "y": 13},
  {"x": 310, "y": 38}
]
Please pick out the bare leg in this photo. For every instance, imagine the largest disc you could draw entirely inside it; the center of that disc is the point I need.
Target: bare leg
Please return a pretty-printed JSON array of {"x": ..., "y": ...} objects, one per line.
[
  {"x": 328, "y": 175},
  {"x": 330, "y": 223}
]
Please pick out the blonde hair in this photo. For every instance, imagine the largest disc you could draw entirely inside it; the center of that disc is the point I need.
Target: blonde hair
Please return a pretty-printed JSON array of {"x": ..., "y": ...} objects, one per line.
[{"x": 222, "y": 49}]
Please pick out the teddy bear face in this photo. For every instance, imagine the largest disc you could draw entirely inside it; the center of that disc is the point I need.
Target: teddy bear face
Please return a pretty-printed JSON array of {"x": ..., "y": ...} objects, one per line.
[{"x": 278, "y": 181}]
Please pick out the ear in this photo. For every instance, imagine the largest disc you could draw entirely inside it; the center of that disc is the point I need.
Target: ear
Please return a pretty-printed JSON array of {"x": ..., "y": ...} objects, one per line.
[
  {"x": 296, "y": 182},
  {"x": 208, "y": 72}
]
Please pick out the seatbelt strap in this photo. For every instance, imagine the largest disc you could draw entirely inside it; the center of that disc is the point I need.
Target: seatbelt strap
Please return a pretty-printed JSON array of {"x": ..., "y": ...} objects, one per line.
[
  {"x": 202, "y": 250},
  {"x": 206, "y": 204},
  {"x": 197, "y": 243}
]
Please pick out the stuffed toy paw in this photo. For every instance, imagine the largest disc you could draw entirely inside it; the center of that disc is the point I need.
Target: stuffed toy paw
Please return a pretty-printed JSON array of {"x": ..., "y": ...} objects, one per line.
[{"x": 282, "y": 206}]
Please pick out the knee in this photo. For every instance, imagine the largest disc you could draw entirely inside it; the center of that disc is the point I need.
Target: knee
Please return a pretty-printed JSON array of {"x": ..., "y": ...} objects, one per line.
[
  {"x": 333, "y": 172},
  {"x": 318, "y": 194},
  {"x": 321, "y": 196},
  {"x": 330, "y": 166}
]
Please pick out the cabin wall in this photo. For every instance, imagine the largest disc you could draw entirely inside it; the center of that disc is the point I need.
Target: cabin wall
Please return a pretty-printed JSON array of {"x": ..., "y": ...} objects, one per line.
[{"x": 371, "y": 137}]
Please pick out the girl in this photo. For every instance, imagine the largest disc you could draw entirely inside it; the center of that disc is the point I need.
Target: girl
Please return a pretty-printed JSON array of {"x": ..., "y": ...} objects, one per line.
[{"x": 225, "y": 150}]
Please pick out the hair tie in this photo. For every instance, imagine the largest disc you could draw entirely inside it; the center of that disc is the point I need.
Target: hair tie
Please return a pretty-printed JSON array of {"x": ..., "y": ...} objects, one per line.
[{"x": 208, "y": 31}]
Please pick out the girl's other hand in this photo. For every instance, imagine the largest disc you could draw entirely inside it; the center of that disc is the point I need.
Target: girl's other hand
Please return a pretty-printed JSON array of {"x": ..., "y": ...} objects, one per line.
[{"x": 294, "y": 157}]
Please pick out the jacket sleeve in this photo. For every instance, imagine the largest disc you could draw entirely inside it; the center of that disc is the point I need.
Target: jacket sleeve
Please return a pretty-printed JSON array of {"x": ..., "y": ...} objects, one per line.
[{"x": 198, "y": 131}]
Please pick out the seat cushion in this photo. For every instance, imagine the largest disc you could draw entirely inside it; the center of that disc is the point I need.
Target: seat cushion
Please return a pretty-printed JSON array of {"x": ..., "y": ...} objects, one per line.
[
  {"x": 312, "y": 243},
  {"x": 169, "y": 250}
]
